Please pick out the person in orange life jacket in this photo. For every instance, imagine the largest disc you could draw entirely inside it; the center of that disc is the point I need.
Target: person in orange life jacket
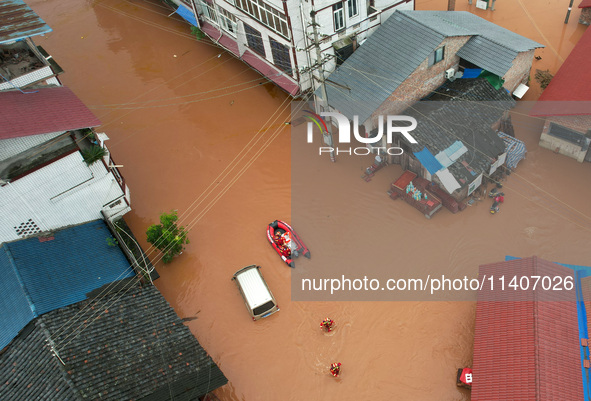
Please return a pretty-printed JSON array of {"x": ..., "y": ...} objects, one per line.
[
  {"x": 287, "y": 251},
  {"x": 327, "y": 324},
  {"x": 335, "y": 369},
  {"x": 278, "y": 239}
]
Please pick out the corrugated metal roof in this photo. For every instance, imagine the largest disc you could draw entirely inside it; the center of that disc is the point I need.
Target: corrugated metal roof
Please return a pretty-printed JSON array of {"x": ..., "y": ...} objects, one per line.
[
  {"x": 380, "y": 65},
  {"x": 461, "y": 23},
  {"x": 43, "y": 111},
  {"x": 402, "y": 43},
  {"x": 58, "y": 272},
  {"x": 585, "y": 4},
  {"x": 525, "y": 342},
  {"x": 18, "y": 21},
  {"x": 428, "y": 161},
  {"x": 13, "y": 146},
  {"x": 489, "y": 55},
  {"x": 15, "y": 311}
]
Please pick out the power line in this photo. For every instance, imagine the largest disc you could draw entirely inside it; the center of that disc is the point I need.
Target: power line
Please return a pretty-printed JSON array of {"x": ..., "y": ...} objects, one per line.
[
  {"x": 477, "y": 150},
  {"x": 78, "y": 330}
]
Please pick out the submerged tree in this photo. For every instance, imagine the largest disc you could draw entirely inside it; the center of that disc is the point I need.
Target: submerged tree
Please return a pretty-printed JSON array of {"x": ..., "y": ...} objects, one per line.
[
  {"x": 544, "y": 77},
  {"x": 197, "y": 32},
  {"x": 167, "y": 236}
]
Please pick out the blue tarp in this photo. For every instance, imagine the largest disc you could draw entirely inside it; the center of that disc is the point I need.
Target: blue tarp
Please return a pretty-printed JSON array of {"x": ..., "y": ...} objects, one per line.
[
  {"x": 38, "y": 277},
  {"x": 471, "y": 72},
  {"x": 580, "y": 272},
  {"x": 187, "y": 15},
  {"x": 428, "y": 161},
  {"x": 515, "y": 149}
]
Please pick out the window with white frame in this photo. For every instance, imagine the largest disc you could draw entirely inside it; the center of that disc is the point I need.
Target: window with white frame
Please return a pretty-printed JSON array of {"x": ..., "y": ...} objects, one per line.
[
  {"x": 227, "y": 20},
  {"x": 439, "y": 54},
  {"x": 352, "y": 6},
  {"x": 338, "y": 11},
  {"x": 264, "y": 13},
  {"x": 209, "y": 12}
]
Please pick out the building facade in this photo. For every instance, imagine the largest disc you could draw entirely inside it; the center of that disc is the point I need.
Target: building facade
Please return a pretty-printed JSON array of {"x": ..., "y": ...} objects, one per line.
[
  {"x": 276, "y": 37},
  {"x": 47, "y": 179}
]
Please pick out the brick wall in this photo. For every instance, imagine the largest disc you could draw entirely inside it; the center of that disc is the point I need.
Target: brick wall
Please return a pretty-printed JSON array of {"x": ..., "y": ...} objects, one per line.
[
  {"x": 519, "y": 72},
  {"x": 585, "y": 17},
  {"x": 421, "y": 82},
  {"x": 581, "y": 124}
]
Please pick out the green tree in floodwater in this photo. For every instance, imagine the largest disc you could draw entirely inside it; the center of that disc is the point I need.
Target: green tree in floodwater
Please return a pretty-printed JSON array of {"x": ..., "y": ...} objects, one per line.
[
  {"x": 197, "y": 32},
  {"x": 167, "y": 236}
]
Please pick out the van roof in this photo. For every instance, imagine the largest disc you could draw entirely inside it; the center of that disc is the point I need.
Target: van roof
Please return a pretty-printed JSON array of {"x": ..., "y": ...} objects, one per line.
[{"x": 253, "y": 286}]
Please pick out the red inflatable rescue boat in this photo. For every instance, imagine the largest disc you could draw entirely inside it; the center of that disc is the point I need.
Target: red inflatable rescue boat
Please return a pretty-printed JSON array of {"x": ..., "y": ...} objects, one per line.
[{"x": 286, "y": 242}]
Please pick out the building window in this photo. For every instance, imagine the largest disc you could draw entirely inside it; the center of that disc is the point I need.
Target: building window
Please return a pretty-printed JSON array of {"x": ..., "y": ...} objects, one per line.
[
  {"x": 227, "y": 20},
  {"x": 339, "y": 16},
  {"x": 281, "y": 56},
  {"x": 352, "y": 6},
  {"x": 265, "y": 14},
  {"x": 438, "y": 55},
  {"x": 209, "y": 12},
  {"x": 254, "y": 39}
]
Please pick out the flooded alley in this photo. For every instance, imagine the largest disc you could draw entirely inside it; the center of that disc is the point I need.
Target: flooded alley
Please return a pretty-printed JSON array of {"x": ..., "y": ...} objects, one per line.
[{"x": 199, "y": 131}]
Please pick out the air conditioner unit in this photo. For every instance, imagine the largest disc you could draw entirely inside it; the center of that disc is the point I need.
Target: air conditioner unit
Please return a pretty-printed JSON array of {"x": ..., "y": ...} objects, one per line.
[{"x": 450, "y": 73}]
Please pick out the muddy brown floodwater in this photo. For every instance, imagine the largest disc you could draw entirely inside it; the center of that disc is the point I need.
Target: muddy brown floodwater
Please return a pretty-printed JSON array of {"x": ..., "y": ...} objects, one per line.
[{"x": 200, "y": 132}]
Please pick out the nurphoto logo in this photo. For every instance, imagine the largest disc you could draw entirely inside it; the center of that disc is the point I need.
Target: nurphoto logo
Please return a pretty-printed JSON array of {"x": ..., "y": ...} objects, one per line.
[{"x": 344, "y": 136}]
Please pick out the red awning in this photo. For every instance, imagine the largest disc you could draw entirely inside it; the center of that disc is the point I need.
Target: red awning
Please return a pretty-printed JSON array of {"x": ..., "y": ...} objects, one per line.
[
  {"x": 226, "y": 41},
  {"x": 286, "y": 83},
  {"x": 274, "y": 74}
]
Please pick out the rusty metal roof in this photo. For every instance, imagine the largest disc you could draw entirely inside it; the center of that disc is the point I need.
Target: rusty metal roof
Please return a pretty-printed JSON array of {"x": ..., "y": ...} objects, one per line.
[{"x": 18, "y": 21}]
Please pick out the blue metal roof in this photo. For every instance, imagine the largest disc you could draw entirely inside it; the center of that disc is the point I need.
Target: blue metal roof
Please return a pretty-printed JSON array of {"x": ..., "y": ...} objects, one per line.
[
  {"x": 428, "y": 161},
  {"x": 44, "y": 276},
  {"x": 15, "y": 310},
  {"x": 18, "y": 21}
]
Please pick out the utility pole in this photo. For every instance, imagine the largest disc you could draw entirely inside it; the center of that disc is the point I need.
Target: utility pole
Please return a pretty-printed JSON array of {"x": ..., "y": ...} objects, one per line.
[
  {"x": 319, "y": 64},
  {"x": 570, "y": 7}
]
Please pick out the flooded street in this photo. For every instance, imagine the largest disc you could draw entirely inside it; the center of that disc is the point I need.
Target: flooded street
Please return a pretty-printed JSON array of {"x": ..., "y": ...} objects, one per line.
[{"x": 200, "y": 132}]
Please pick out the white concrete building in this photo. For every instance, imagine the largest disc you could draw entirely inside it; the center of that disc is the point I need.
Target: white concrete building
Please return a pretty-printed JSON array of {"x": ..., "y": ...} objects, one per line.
[
  {"x": 276, "y": 37},
  {"x": 45, "y": 182}
]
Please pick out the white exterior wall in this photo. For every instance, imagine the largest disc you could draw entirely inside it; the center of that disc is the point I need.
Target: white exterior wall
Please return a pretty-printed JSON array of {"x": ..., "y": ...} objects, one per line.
[
  {"x": 563, "y": 147},
  {"x": 298, "y": 13},
  {"x": 13, "y": 146},
  {"x": 63, "y": 193},
  {"x": 383, "y": 4},
  {"x": 28, "y": 78}
]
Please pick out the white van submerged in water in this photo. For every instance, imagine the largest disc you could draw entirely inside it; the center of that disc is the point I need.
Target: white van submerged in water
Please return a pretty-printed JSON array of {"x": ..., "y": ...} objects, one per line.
[{"x": 258, "y": 298}]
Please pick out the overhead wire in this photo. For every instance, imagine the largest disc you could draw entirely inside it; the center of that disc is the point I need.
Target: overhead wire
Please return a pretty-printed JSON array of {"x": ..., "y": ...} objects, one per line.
[
  {"x": 202, "y": 213},
  {"x": 478, "y": 150},
  {"x": 243, "y": 155}
]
